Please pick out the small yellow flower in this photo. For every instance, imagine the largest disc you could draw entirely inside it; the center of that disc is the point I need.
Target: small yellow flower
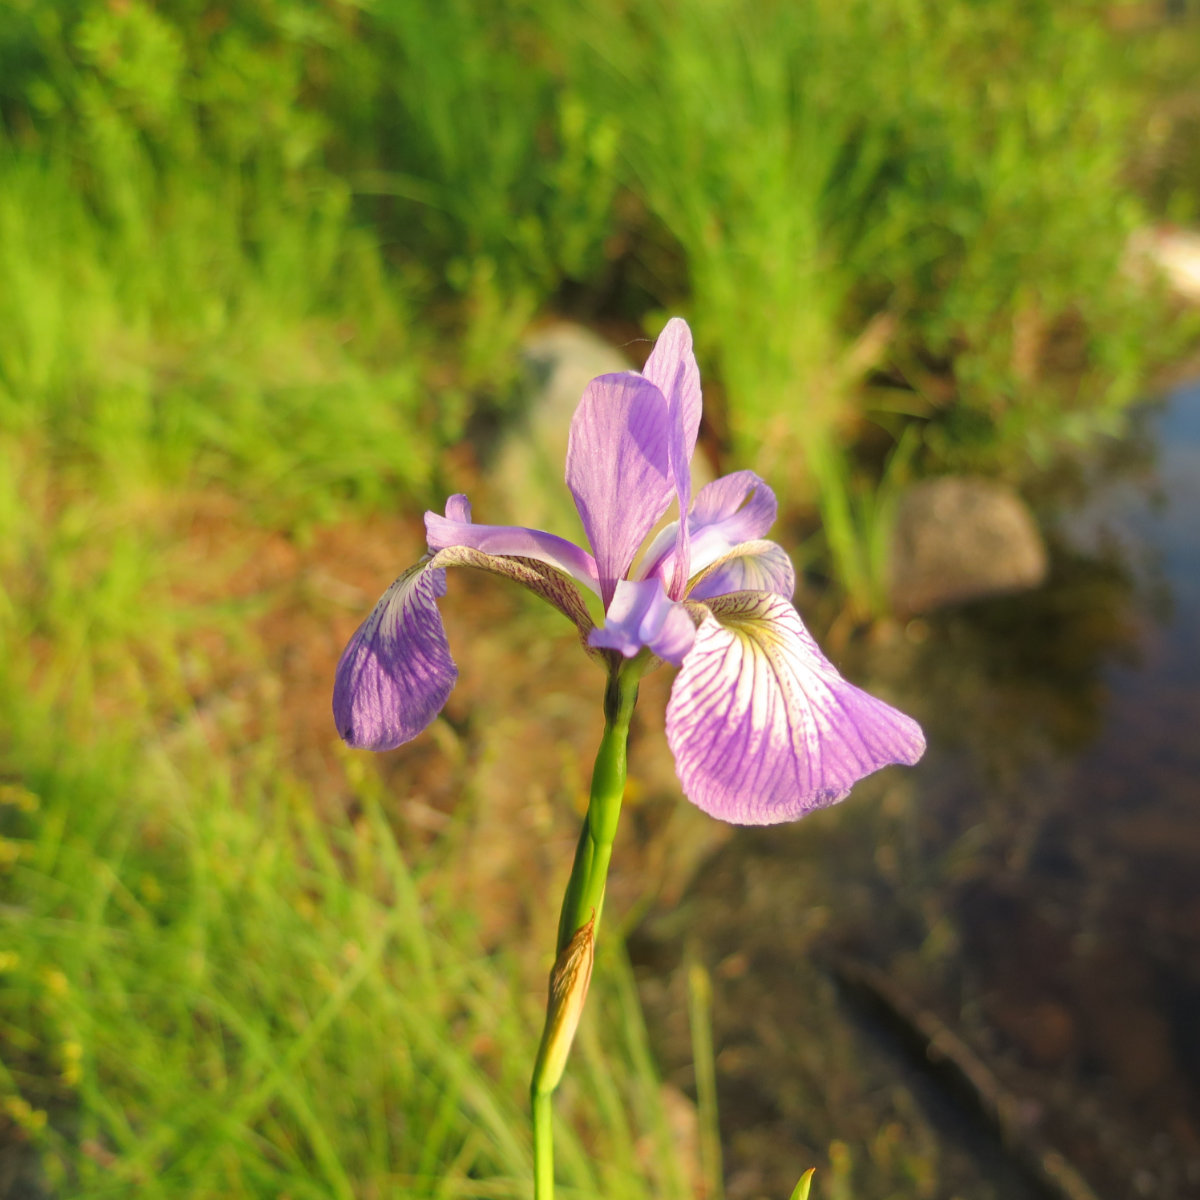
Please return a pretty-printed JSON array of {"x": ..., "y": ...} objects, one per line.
[
  {"x": 72, "y": 1071},
  {"x": 23, "y": 1114},
  {"x": 56, "y": 981},
  {"x": 20, "y": 798}
]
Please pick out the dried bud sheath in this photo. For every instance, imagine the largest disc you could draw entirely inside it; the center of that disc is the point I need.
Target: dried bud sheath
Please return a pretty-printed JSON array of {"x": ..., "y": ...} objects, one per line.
[{"x": 568, "y": 990}]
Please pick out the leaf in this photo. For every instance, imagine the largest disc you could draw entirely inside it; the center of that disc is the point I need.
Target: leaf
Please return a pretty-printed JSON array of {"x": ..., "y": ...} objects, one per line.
[{"x": 801, "y": 1192}]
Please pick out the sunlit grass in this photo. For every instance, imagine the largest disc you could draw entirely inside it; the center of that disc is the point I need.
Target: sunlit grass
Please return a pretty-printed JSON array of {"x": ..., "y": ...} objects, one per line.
[
  {"x": 282, "y": 259},
  {"x": 209, "y": 988}
]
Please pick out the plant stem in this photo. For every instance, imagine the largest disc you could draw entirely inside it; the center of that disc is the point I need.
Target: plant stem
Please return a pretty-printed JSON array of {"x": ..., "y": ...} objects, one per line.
[
  {"x": 584, "y": 895},
  {"x": 543, "y": 1144}
]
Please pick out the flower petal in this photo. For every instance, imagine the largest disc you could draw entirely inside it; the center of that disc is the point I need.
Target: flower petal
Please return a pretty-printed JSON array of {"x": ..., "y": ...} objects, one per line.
[
  {"x": 672, "y": 367},
  {"x": 641, "y": 615},
  {"x": 396, "y": 672},
  {"x": 762, "y": 726},
  {"x": 618, "y": 469},
  {"x": 456, "y": 529},
  {"x": 758, "y": 566},
  {"x": 733, "y": 509},
  {"x": 543, "y": 580}
]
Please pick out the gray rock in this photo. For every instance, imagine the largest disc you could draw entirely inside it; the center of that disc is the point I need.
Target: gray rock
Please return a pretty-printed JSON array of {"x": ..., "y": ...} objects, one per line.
[{"x": 962, "y": 538}]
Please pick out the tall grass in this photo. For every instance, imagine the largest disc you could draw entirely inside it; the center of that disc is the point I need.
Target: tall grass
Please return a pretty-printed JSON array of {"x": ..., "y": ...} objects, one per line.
[
  {"x": 210, "y": 990},
  {"x": 858, "y": 193},
  {"x": 281, "y": 250},
  {"x": 746, "y": 135},
  {"x": 500, "y": 172},
  {"x": 164, "y": 348}
]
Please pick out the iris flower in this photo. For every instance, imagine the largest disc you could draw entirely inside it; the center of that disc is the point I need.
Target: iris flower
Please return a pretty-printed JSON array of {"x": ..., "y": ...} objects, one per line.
[{"x": 762, "y": 727}]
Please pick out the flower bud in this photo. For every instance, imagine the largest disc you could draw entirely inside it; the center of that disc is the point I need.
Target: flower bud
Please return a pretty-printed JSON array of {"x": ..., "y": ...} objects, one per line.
[{"x": 568, "y": 990}]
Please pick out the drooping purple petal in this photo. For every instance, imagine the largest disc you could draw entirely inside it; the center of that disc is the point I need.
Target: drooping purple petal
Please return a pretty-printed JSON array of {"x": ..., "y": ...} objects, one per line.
[
  {"x": 642, "y": 616},
  {"x": 672, "y": 367},
  {"x": 456, "y": 529},
  {"x": 758, "y": 566},
  {"x": 543, "y": 580},
  {"x": 762, "y": 726},
  {"x": 618, "y": 469},
  {"x": 396, "y": 672}
]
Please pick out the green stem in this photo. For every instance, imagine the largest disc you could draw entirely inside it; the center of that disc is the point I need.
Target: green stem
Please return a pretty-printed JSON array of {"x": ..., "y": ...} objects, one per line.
[
  {"x": 585, "y": 888},
  {"x": 584, "y": 896},
  {"x": 543, "y": 1145}
]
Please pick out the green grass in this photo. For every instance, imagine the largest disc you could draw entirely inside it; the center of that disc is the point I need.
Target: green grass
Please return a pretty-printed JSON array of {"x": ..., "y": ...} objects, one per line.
[
  {"x": 213, "y": 991},
  {"x": 268, "y": 261},
  {"x": 168, "y": 349}
]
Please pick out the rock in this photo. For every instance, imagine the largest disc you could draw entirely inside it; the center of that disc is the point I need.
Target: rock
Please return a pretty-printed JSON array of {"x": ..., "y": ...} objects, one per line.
[
  {"x": 962, "y": 538},
  {"x": 1171, "y": 252}
]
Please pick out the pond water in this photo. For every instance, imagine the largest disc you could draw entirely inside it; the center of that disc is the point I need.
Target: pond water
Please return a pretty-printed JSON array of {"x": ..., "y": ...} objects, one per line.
[{"x": 1032, "y": 891}]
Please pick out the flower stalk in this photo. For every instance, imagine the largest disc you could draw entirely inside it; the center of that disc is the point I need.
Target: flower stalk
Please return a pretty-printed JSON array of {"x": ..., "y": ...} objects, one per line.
[
  {"x": 585, "y": 888},
  {"x": 762, "y": 727},
  {"x": 579, "y": 920}
]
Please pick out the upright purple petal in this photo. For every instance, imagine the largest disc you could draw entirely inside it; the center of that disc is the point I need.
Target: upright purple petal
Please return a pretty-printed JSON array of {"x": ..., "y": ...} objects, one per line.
[
  {"x": 739, "y": 504},
  {"x": 672, "y": 367},
  {"x": 508, "y": 541},
  {"x": 731, "y": 510},
  {"x": 618, "y": 469},
  {"x": 396, "y": 672},
  {"x": 762, "y": 726},
  {"x": 642, "y": 616},
  {"x": 758, "y": 566},
  {"x": 458, "y": 508}
]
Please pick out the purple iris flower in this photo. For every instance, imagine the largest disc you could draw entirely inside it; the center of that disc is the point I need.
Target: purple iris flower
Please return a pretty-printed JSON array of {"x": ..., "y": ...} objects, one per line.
[{"x": 762, "y": 727}]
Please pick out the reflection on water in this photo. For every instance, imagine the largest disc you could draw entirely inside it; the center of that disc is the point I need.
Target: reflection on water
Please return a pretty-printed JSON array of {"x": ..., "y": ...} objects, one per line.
[
  {"x": 1035, "y": 883},
  {"x": 1080, "y": 932}
]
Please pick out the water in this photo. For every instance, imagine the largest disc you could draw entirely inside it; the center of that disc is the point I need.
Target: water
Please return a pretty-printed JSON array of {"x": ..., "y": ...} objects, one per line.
[
  {"x": 1080, "y": 933},
  {"x": 1034, "y": 885}
]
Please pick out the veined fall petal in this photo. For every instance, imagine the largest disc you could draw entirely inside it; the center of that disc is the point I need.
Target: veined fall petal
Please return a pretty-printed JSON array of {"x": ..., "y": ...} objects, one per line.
[
  {"x": 396, "y": 672},
  {"x": 762, "y": 726}
]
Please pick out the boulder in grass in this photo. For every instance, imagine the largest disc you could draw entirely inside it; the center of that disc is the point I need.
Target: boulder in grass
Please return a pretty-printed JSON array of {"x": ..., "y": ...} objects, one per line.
[
  {"x": 960, "y": 538},
  {"x": 1172, "y": 253}
]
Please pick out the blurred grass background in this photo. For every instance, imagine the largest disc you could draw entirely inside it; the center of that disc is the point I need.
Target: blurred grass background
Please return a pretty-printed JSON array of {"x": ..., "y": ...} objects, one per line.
[{"x": 262, "y": 264}]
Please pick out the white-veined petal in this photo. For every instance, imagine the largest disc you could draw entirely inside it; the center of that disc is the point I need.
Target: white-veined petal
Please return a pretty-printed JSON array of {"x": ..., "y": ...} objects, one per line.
[
  {"x": 763, "y": 728},
  {"x": 758, "y": 566}
]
